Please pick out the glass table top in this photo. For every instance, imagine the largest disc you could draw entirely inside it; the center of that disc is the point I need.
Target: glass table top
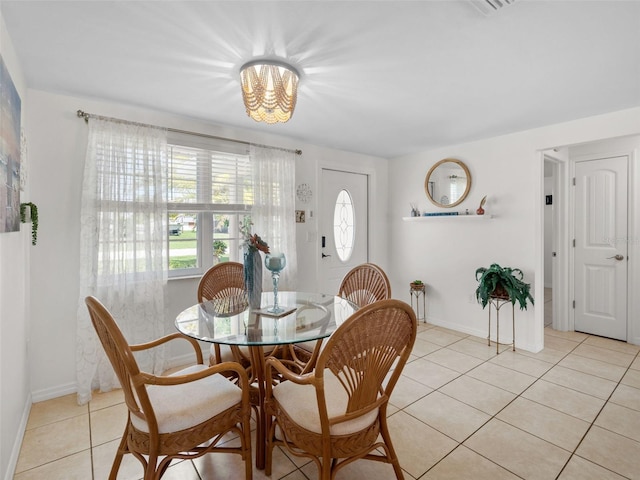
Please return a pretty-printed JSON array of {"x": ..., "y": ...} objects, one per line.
[{"x": 308, "y": 316}]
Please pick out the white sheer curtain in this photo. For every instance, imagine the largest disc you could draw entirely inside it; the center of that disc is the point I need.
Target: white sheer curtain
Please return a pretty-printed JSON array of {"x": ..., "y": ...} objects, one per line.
[
  {"x": 273, "y": 211},
  {"x": 123, "y": 244}
]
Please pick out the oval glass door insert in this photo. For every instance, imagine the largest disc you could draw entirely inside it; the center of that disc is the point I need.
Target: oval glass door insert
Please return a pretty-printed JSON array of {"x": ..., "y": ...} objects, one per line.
[{"x": 344, "y": 225}]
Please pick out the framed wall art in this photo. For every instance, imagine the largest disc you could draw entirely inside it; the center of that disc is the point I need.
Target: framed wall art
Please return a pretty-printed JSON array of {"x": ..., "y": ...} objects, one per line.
[{"x": 10, "y": 107}]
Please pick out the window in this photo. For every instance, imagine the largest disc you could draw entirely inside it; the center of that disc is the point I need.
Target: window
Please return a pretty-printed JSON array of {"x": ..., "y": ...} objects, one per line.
[
  {"x": 344, "y": 225},
  {"x": 210, "y": 191}
]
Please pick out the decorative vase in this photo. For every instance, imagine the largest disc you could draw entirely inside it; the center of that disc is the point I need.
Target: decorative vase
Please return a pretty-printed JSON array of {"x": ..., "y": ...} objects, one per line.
[
  {"x": 480, "y": 211},
  {"x": 253, "y": 276}
]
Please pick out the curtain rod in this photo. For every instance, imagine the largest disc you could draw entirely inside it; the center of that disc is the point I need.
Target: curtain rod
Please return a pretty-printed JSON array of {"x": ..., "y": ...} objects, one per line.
[{"x": 87, "y": 116}]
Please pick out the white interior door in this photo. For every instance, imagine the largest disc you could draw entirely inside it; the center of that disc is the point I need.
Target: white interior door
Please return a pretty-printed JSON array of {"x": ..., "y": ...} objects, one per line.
[
  {"x": 343, "y": 226},
  {"x": 600, "y": 266}
]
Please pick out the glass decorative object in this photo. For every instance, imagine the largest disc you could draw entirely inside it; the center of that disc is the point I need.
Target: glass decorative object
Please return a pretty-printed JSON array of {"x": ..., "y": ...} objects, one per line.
[
  {"x": 275, "y": 262},
  {"x": 253, "y": 276}
]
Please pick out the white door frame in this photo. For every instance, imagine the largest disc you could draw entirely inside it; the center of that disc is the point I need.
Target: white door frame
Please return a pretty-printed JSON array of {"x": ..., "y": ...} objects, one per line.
[{"x": 561, "y": 279}]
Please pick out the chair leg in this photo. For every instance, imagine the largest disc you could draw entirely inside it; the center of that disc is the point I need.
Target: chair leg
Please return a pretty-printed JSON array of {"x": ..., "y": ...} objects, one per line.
[
  {"x": 391, "y": 453},
  {"x": 246, "y": 446},
  {"x": 122, "y": 449},
  {"x": 269, "y": 446}
]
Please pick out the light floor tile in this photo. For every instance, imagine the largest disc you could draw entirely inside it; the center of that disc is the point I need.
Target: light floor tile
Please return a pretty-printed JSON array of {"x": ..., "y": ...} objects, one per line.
[
  {"x": 575, "y": 336},
  {"x": 451, "y": 332},
  {"x": 53, "y": 441},
  {"x": 611, "y": 451},
  {"x": 627, "y": 397},
  {"x": 548, "y": 355},
  {"x": 518, "y": 451},
  {"x": 429, "y": 373},
  {"x": 480, "y": 395},
  {"x": 580, "y": 469},
  {"x": 418, "y": 446},
  {"x": 465, "y": 463},
  {"x": 474, "y": 348},
  {"x": 457, "y": 361},
  {"x": 613, "y": 344},
  {"x": 359, "y": 470},
  {"x": 72, "y": 467},
  {"x": 565, "y": 400},
  {"x": 546, "y": 423},
  {"x": 441, "y": 337},
  {"x": 631, "y": 378},
  {"x": 108, "y": 423},
  {"x": 408, "y": 391},
  {"x": 559, "y": 344},
  {"x": 103, "y": 456},
  {"x": 636, "y": 363},
  {"x": 619, "y": 419},
  {"x": 605, "y": 355},
  {"x": 522, "y": 363},
  {"x": 502, "y": 377},
  {"x": 100, "y": 400},
  {"x": 447, "y": 415},
  {"x": 56, "y": 409},
  {"x": 423, "y": 347},
  {"x": 593, "y": 367},
  {"x": 582, "y": 382}
]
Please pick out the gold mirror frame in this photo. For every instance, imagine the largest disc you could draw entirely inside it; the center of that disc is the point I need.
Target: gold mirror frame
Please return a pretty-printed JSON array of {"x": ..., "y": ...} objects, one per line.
[{"x": 466, "y": 190}]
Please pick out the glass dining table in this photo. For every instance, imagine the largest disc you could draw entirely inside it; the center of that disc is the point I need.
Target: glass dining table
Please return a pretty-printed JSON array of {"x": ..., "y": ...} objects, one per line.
[{"x": 230, "y": 321}]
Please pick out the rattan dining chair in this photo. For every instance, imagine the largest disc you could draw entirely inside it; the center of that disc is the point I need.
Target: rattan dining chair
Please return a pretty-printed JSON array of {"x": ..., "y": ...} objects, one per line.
[
  {"x": 179, "y": 416},
  {"x": 222, "y": 281},
  {"x": 362, "y": 285},
  {"x": 335, "y": 414},
  {"x": 365, "y": 284}
]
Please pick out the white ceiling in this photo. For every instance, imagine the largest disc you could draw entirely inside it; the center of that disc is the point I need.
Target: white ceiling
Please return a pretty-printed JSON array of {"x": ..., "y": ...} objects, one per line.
[{"x": 385, "y": 78}]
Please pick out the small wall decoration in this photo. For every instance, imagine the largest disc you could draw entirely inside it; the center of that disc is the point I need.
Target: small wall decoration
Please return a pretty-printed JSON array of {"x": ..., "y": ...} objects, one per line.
[
  {"x": 304, "y": 192},
  {"x": 10, "y": 108},
  {"x": 299, "y": 216}
]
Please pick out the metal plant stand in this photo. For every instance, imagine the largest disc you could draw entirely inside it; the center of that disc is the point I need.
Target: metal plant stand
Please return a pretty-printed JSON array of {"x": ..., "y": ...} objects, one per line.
[
  {"x": 416, "y": 291},
  {"x": 497, "y": 303}
]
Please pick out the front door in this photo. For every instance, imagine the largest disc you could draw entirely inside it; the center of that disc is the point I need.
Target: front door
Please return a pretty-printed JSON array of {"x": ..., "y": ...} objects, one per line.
[
  {"x": 601, "y": 247},
  {"x": 343, "y": 226}
]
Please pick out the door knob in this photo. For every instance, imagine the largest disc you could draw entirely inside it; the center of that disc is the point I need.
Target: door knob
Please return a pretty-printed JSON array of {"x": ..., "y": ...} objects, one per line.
[
  {"x": 325, "y": 255},
  {"x": 617, "y": 257}
]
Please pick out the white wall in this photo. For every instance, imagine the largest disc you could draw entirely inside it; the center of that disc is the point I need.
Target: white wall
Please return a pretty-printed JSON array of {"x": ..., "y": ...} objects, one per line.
[
  {"x": 57, "y": 150},
  {"x": 445, "y": 252},
  {"x": 15, "y": 250}
]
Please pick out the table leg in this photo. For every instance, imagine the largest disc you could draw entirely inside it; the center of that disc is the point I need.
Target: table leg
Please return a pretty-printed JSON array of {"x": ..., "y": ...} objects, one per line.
[{"x": 257, "y": 364}]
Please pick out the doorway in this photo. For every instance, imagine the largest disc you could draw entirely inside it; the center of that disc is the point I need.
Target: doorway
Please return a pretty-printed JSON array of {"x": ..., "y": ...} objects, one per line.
[{"x": 343, "y": 222}]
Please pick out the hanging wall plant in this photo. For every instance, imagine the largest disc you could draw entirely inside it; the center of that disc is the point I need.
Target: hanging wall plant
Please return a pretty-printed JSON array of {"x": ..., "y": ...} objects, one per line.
[{"x": 33, "y": 217}]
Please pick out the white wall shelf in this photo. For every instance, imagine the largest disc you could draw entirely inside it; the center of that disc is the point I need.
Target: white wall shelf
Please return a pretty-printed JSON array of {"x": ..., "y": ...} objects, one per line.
[{"x": 433, "y": 217}]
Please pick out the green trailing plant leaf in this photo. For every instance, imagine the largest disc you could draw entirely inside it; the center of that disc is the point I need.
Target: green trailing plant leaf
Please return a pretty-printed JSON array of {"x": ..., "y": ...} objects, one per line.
[
  {"x": 499, "y": 281},
  {"x": 33, "y": 208}
]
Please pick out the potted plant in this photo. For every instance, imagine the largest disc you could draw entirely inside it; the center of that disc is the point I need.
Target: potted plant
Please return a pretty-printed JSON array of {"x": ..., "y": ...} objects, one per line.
[
  {"x": 29, "y": 212},
  {"x": 504, "y": 283}
]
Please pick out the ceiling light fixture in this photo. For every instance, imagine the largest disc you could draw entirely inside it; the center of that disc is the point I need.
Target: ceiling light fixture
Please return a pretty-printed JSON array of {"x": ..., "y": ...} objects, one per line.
[{"x": 269, "y": 90}]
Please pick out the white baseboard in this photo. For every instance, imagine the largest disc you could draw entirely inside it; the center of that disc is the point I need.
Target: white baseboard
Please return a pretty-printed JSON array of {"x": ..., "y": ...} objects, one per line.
[
  {"x": 479, "y": 332},
  {"x": 54, "y": 392},
  {"x": 17, "y": 444}
]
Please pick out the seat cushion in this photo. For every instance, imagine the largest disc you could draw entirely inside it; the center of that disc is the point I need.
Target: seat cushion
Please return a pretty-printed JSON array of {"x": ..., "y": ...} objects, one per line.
[
  {"x": 178, "y": 407},
  {"x": 301, "y": 404}
]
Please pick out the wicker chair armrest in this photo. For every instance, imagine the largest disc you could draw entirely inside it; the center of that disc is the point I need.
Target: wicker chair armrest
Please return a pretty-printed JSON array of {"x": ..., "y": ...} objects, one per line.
[
  {"x": 165, "y": 339},
  {"x": 287, "y": 374},
  {"x": 239, "y": 370}
]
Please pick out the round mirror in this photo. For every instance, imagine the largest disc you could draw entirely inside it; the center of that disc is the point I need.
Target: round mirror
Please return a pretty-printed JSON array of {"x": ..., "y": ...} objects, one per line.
[{"x": 448, "y": 183}]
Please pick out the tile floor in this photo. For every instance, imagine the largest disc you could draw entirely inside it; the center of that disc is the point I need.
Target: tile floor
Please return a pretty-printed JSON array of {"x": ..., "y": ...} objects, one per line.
[{"x": 459, "y": 411}]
